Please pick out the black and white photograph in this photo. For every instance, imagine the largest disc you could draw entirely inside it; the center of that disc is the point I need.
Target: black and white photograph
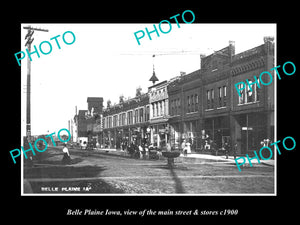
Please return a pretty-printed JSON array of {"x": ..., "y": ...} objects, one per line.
[
  {"x": 159, "y": 109},
  {"x": 150, "y": 113}
]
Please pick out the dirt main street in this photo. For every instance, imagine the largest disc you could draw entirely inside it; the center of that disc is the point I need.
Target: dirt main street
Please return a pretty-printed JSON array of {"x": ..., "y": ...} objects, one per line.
[{"x": 92, "y": 172}]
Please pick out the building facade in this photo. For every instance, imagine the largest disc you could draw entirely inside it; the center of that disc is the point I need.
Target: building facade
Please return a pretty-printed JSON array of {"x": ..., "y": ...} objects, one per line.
[
  {"x": 159, "y": 114},
  {"x": 126, "y": 122},
  {"x": 204, "y": 105},
  {"x": 185, "y": 109},
  {"x": 201, "y": 107},
  {"x": 252, "y": 113},
  {"x": 87, "y": 123}
]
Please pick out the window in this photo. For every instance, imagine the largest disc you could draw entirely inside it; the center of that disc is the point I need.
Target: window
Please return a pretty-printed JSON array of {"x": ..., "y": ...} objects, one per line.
[
  {"x": 208, "y": 99},
  {"x": 115, "y": 120},
  {"x": 109, "y": 122},
  {"x": 136, "y": 116},
  {"x": 249, "y": 95},
  {"x": 128, "y": 118},
  {"x": 172, "y": 113},
  {"x": 192, "y": 104},
  {"x": 224, "y": 95},
  {"x": 220, "y": 97},
  {"x": 131, "y": 117},
  {"x": 210, "y": 95},
  {"x": 196, "y": 102},
  {"x": 104, "y": 122},
  {"x": 123, "y": 119},
  {"x": 153, "y": 109},
  {"x": 147, "y": 113},
  {"x": 141, "y": 115},
  {"x": 212, "y": 98}
]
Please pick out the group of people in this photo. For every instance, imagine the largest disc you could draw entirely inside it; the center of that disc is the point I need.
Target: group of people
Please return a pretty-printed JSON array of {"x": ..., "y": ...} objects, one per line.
[
  {"x": 143, "y": 151},
  {"x": 186, "y": 147},
  {"x": 211, "y": 145}
]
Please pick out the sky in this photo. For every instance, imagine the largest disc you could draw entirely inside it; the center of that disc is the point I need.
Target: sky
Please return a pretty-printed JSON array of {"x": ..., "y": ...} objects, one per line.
[{"x": 106, "y": 61}]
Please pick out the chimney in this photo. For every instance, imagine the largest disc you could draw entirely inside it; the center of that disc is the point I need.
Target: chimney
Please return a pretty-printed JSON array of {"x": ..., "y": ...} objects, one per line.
[{"x": 231, "y": 48}]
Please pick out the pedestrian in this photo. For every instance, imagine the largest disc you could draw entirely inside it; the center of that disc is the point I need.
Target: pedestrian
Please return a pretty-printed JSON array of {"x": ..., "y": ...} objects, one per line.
[
  {"x": 66, "y": 158},
  {"x": 188, "y": 148},
  {"x": 214, "y": 147},
  {"x": 141, "y": 152},
  {"x": 146, "y": 151},
  {"x": 183, "y": 147},
  {"x": 234, "y": 150},
  {"x": 168, "y": 147},
  {"x": 226, "y": 148}
]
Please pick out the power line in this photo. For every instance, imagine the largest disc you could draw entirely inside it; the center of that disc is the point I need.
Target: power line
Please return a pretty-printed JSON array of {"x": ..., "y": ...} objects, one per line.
[{"x": 195, "y": 51}]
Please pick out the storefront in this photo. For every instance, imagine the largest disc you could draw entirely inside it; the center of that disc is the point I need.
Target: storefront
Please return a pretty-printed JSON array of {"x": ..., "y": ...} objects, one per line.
[
  {"x": 175, "y": 135},
  {"x": 217, "y": 129},
  {"x": 251, "y": 131},
  {"x": 159, "y": 134}
]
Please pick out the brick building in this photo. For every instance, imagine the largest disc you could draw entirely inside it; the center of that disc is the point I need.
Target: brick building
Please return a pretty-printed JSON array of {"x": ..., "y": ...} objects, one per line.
[
  {"x": 87, "y": 123},
  {"x": 126, "y": 122},
  {"x": 201, "y": 106},
  {"x": 205, "y": 104}
]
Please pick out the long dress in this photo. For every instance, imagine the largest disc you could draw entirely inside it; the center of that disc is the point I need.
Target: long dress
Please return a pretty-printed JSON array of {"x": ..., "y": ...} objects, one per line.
[
  {"x": 66, "y": 158},
  {"x": 188, "y": 147}
]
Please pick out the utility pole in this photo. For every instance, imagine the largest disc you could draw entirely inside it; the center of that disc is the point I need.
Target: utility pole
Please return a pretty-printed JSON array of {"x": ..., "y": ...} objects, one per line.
[{"x": 28, "y": 105}]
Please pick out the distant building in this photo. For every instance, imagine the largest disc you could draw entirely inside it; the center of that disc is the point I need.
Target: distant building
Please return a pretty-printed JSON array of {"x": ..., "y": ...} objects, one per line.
[
  {"x": 87, "y": 124},
  {"x": 126, "y": 122}
]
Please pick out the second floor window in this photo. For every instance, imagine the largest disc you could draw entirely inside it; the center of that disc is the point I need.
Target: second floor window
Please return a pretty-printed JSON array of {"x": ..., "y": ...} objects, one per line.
[{"x": 249, "y": 95}]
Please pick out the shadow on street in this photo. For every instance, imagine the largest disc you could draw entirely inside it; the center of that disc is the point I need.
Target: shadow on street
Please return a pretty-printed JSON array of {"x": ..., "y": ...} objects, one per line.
[
  {"x": 178, "y": 184},
  {"x": 61, "y": 171}
]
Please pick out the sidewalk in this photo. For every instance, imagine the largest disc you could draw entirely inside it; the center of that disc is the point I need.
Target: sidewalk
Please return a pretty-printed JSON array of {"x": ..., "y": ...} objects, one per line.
[
  {"x": 192, "y": 158},
  {"x": 222, "y": 158}
]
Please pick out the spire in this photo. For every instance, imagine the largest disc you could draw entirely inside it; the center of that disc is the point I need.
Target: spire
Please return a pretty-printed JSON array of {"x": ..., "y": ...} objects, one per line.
[{"x": 153, "y": 78}]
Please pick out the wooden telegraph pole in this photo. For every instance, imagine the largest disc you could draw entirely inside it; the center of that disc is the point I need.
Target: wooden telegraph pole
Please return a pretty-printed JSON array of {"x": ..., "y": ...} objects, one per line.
[{"x": 28, "y": 105}]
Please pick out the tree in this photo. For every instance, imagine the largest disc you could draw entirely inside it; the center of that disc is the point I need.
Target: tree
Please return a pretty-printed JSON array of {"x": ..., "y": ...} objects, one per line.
[
  {"x": 121, "y": 99},
  {"x": 108, "y": 103},
  {"x": 138, "y": 92}
]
